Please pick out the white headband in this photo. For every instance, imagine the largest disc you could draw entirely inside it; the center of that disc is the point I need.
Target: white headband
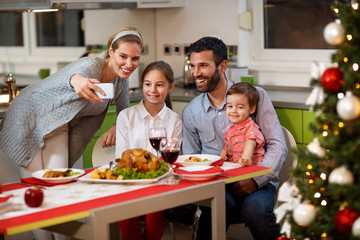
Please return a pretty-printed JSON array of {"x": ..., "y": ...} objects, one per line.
[{"x": 124, "y": 33}]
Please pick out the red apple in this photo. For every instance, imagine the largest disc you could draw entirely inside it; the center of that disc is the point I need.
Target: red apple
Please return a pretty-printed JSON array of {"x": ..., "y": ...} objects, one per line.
[{"x": 34, "y": 196}]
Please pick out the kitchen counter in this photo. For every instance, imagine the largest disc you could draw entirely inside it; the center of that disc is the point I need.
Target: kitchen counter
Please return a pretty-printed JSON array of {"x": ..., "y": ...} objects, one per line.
[{"x": 282, "y": 97}]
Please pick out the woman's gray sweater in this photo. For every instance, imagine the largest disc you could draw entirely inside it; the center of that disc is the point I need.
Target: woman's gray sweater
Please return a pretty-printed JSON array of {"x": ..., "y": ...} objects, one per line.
[{"x": 42, "y": 107}]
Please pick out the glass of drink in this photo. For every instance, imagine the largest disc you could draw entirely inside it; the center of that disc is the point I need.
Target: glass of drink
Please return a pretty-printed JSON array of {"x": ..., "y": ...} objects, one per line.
[
  {"x": 155, "y": 136},
  {"x": 170, "y": 149}
]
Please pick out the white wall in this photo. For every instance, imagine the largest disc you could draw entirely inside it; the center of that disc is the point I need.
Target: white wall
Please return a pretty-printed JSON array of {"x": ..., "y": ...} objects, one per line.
[
  {"x": 198, "y": 18},
  {"x": 100, "y": 24},
  {"x": 170, "y": 26},
  {"x": 182, "y": 26}
]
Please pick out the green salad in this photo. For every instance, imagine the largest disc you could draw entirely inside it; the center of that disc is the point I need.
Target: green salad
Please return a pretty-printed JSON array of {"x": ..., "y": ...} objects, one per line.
[{"x": 134, "y": 174}]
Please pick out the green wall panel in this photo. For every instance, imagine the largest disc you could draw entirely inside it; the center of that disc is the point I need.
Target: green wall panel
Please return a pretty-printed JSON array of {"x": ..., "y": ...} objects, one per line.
[
  {"x": 308, "y": 117},
  {"x": 292, "y": 119}
]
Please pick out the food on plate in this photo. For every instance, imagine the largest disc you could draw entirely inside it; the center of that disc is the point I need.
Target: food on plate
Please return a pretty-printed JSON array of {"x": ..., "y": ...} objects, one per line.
[
  {"x": 33, "y": 196},
  {"x": 104, "y": 173},
  {"x": 59, "y": 174},
  {"x": 133, "y": 164},
  {"x": 138, "y": 158},
  {"x": 195, "y": 159}
]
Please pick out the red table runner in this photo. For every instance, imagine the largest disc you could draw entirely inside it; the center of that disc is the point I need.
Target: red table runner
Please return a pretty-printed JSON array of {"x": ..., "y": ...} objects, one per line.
[{"x": 236, "y": 174}]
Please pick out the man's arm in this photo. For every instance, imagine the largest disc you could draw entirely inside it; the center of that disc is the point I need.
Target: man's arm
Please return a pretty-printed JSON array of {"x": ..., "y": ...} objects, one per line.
[
  {"x": 275, "y": 147},
  {"x": 191, "y": 141}
]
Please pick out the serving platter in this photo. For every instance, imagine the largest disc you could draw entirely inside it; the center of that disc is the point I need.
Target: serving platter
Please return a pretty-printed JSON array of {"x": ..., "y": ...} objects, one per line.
[
  {"x": 87, "y": 178},
  {"x": 39, "y": 175},
  {"x": 212, "y": 158}
]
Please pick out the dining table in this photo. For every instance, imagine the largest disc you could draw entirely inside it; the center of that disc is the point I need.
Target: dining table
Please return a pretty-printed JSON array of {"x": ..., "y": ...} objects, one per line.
[{"x": 91, "y": 210}]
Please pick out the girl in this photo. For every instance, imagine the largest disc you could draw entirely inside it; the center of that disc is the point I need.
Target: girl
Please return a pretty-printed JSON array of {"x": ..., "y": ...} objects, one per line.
[
  {"x": 50, "y": 123},
  {"x": 132, "y": 129}
]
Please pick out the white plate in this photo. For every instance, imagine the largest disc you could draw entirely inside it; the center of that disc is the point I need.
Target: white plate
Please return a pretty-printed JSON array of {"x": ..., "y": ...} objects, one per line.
[
  {"x": 199, "y": 177},
  {"x": 40, "y": 173},
  {"x": 87, "y": 178},
  {"x": 181, "y": 159}
]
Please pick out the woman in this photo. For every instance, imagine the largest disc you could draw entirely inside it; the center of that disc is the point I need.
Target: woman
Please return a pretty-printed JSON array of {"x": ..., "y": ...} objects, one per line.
[{"x": 49, "y": 124}]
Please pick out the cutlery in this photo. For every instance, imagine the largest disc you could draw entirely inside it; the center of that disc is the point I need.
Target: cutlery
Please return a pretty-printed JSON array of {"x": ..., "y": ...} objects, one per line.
[
  {"x": 110, "y": 164},
  {"x": 181, "y": 178},
  {"x": 13, "y": 207}
]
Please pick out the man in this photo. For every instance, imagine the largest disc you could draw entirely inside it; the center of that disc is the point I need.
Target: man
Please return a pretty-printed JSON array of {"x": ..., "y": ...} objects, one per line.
[{"x": 204, "y": 124}]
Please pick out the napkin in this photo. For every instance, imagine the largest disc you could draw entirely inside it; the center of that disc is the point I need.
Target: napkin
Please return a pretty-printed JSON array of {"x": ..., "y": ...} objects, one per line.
[
  {"x": 34, "y": 181},
  {"x": 219, "y": 162},
  {"x": 209, "y": 170},
  {"x": 5, "y": 198}
]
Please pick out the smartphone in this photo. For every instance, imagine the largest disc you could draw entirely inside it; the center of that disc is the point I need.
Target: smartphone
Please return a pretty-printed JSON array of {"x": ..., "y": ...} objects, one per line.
[{"x": 108, "y": 88}]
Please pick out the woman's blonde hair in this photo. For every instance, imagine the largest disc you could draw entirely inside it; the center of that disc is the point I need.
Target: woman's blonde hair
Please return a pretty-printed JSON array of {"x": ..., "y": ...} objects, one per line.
[{"x": 125, "y": 38}]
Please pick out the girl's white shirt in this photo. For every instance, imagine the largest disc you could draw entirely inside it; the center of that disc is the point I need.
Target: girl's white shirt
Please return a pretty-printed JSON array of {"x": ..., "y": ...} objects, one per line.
[{"x": 133, "y": 124}]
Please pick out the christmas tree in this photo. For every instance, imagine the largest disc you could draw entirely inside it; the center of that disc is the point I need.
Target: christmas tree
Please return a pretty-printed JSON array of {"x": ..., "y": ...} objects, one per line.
[{"x": 327, "y": 175}]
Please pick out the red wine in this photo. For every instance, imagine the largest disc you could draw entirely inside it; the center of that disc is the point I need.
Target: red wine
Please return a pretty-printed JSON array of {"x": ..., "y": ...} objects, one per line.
[
  {"x": 170, "y": 156},
  {"x": 155, "y": 142}
]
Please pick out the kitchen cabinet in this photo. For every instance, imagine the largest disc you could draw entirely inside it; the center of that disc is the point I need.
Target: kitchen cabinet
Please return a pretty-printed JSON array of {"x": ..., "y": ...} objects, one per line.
[
  {"x": 109, "y": 120},
  {"x": 160, "y": 3},
  {"x": 297, "y": 122}
]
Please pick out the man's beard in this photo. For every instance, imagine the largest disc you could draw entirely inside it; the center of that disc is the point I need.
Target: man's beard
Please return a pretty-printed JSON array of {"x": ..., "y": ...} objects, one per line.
[{"x": 212, "y": 82}]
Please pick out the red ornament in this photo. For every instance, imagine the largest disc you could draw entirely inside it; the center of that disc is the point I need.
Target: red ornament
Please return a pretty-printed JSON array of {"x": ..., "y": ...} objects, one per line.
[
  {"x": 332, "y": 79},
  {"x": 344, "y": 219}
]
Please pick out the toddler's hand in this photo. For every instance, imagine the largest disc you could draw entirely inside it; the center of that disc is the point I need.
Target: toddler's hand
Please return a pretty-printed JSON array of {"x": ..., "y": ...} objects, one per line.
[
  {"x": 245, "y": 162},
  {"x": 223, "y": 155},
  {"x": 226, "y": 155}
]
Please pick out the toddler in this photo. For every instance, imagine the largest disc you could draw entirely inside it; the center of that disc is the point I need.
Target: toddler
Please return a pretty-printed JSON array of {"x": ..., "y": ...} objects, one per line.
[{"x": 244, "y": 143}]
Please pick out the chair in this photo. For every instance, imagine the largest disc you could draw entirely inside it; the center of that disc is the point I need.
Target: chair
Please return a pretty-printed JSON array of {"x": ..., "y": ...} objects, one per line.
[
  {"x": 291, "y": 160},
  {"x": 284, "y": 174},
  {"x": 100, "y": 155}
]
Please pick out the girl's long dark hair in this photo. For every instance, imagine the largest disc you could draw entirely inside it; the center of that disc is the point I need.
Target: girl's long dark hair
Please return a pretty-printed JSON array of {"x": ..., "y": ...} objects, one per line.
[{"x": 166, "y": 70}]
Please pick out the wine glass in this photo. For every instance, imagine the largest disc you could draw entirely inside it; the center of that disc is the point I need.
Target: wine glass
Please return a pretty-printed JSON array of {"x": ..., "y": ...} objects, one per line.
[
  {"x": 170, "y": 149},
  {"x": 155, "y": 136}
]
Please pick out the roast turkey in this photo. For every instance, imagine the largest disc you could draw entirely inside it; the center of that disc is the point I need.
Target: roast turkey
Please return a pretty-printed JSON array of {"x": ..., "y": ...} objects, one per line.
[{"x": 138, "y": 158}]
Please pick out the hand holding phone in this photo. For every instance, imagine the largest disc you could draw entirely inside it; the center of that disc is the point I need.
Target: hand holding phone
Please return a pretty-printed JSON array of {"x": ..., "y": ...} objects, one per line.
[{"x": 108, "y": 88}]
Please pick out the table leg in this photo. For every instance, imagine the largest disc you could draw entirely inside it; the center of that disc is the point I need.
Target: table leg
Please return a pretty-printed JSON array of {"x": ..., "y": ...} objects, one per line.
[
  {"x": 212, "y": 193},
  {"x": 218, "y": 214}
]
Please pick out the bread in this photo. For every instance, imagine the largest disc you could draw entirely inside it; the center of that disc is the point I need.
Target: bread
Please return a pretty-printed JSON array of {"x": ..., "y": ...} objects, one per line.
[{"x": 138, "y": 158}]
